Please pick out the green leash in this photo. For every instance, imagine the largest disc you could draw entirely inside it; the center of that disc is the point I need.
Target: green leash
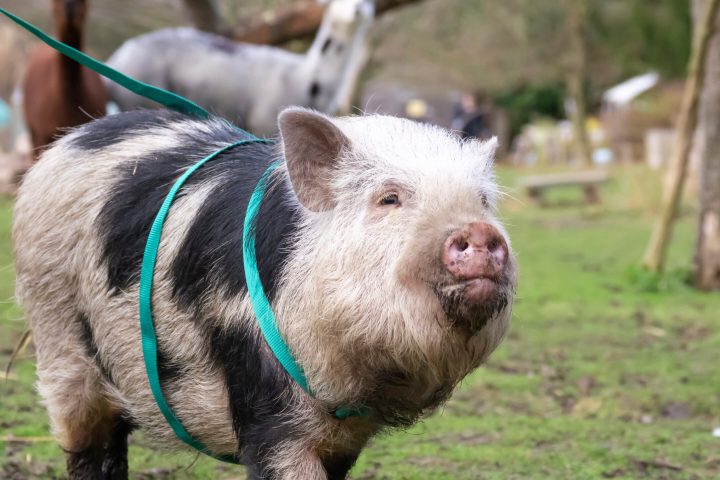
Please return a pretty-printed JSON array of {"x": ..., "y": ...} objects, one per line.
[{"x": 261, "y": 305}]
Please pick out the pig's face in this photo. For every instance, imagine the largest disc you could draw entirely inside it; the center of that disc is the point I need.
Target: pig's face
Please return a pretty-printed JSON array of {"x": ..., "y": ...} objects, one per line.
[{"x": 405, "y": 245}]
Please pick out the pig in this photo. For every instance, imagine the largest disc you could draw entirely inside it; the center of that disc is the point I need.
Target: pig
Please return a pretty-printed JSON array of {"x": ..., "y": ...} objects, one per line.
[{"x": 378, "y": 246}]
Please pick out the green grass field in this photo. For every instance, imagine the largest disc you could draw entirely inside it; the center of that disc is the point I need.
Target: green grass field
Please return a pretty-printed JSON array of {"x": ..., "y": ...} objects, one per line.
[{"x": 607, "y": 372}]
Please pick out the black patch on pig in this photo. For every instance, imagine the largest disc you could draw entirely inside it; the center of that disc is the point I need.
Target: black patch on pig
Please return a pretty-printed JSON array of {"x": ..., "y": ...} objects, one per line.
[
  {"x": 337, "y": 466},
  {"x": 115, "y": 462},
  {"x": 211, "y": 256},
  {"x": 315, "y": 89},
  {"x": 168, "y": 370},
  {"x": 86, "y": 335},
  {"x": 85, "y": 464},
  {"x": 105, "y": 457},
  {"x": 259, "y": 395},
  {"x": 88, "y": 340},
  {"x": 326, "y": 45},
  {"x": 111, "y": 129},
  {"x": 134, "y": 200}
]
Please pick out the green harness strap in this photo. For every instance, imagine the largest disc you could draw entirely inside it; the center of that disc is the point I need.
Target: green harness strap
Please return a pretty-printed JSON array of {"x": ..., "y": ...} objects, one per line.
[
  {"x": 261, "y": 305},
  {"x": 147, "y": 328}
]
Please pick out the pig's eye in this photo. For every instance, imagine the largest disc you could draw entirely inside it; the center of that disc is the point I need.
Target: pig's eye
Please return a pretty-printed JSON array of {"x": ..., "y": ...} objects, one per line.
[
  {"x": 390, "y": 199},
  {"x": 484, "y": 201}
]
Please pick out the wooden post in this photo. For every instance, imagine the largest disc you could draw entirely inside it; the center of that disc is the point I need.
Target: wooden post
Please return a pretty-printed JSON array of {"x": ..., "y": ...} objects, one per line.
[
  {"x": 706, "y": 264},
  {"x": 577, "y": 18},
  {"x": 654, "y": 259}
]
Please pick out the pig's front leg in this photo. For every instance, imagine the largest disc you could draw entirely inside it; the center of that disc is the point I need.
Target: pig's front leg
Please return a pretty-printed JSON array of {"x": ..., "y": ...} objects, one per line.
[
  {"x": 338, "y": 465},
  {"x": 292, "y": 462},
  {"x": 283, "y": 462}
]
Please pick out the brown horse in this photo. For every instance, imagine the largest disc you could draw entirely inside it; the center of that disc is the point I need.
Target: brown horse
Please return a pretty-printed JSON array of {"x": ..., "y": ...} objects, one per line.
[{"x": 58, "y": 92}]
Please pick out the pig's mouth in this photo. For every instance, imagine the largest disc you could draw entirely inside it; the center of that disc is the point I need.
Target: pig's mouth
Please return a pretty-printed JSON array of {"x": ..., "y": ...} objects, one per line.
[{"x": 471, "y": 304}]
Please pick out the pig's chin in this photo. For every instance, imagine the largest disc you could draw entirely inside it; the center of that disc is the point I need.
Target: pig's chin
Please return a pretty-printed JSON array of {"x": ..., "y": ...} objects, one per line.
[{"x": 471, "y": 304}]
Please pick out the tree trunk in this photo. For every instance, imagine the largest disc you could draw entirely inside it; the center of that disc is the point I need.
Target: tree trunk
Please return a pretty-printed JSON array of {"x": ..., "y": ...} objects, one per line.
[
  {"x": 706, "y": 266},
  {"x": 654, "y": 259},
  {"x": 203, "y": 14},
  {"x": 297, "y": 20},
  {"x": 577, "y": 76}
]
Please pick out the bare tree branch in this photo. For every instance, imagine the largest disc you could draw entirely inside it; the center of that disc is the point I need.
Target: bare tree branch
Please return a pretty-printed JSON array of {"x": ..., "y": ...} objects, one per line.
[{"x": 298, "y": 20}]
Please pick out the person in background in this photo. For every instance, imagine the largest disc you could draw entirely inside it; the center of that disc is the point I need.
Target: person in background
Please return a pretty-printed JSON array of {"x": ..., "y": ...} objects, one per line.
[{"x": 472, "y": 117}]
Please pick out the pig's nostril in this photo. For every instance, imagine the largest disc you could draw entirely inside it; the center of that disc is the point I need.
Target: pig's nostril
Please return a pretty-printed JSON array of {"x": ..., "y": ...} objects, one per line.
[
  {"x": 493, "y": 244},
  {"x": 462, "y": 245}
]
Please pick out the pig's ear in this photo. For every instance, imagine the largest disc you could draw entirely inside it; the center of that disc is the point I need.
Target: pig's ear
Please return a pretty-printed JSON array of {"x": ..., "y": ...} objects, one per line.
[
  {"x": 487, "y": 149},
  {"x": 483, "y": 152},
  {"x": 312, "y": 146}
]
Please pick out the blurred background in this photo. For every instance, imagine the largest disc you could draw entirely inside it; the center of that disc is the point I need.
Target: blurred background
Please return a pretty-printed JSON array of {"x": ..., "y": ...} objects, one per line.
[
  {"x": 515, "y": 59},
  {"x": 608, "y": 116}
]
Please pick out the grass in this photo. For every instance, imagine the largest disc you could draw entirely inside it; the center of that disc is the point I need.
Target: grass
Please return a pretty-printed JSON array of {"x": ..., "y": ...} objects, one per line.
[{"x": 607, "y": 372}]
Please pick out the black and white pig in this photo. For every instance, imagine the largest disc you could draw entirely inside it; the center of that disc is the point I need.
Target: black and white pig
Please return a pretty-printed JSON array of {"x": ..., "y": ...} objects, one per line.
[{"x": 378, "y": 246}]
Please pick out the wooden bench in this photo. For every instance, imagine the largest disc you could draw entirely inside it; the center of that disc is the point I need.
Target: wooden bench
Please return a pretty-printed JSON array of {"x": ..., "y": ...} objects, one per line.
[{"x": 588, "y": 181}]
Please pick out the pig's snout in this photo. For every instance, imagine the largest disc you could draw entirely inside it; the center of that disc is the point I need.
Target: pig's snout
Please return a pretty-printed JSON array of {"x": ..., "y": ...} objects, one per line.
[
  {"x": 477, "y": 259},
  {"x": 476, "y": 251}
]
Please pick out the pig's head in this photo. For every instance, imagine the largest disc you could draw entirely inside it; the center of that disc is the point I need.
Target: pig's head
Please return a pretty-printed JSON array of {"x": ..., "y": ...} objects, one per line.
[{"x": 403, "y": 278}]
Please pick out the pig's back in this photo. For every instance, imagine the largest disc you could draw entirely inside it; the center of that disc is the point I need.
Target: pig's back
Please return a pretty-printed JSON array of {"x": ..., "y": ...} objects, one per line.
[{"x": 93, "y": 196}]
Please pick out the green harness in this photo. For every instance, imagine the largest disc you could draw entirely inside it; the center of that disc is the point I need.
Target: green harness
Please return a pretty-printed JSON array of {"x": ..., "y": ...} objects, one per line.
[{"x": 258, "y": 298}]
